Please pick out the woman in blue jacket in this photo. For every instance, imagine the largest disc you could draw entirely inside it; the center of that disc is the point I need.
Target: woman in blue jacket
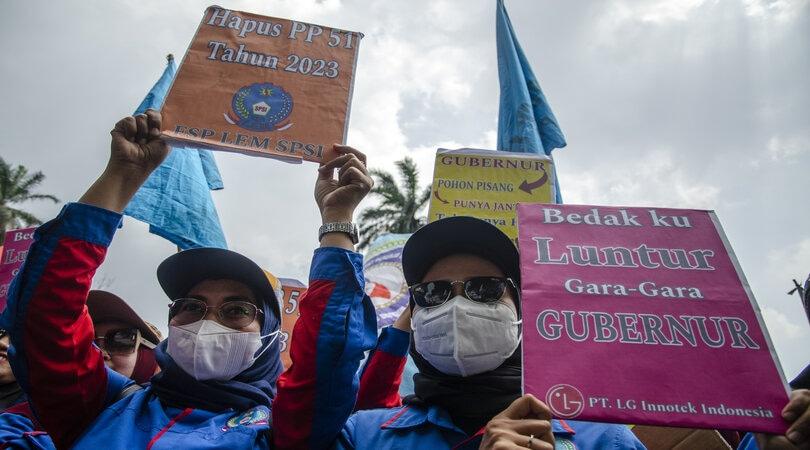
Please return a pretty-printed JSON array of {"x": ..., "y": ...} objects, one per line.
[
  {"x": 464, "y": 277},
  {"x": 221, "y": 360}
]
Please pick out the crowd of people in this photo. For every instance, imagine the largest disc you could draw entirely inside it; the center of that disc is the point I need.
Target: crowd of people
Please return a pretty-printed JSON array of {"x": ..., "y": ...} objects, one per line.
[{"x": 87, "y": 372}]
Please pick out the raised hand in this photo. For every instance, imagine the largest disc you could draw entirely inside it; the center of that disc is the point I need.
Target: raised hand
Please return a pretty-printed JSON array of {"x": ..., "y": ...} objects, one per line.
[
  {"x": 338, "y": 197},
  {"x": 526, "y": 423},
  {"x": 136, "y": 143},
  {"x": 136, "y": 150}
]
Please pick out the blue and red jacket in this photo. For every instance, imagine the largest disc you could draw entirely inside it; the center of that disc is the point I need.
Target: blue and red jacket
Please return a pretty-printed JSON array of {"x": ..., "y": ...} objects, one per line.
[
  {"x": 431, "y": 427},
  {"x": 19, "y": 429},
  {"x": 318, "y": 392},
  {"x": 75, "y": 396},
  {"x": 397, "y": 426}
]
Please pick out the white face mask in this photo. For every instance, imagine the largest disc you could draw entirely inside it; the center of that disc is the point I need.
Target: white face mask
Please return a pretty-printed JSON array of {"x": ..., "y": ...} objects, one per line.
[
  {"x": 463, "y": 337},
  {"x": 207, "y": 350}
]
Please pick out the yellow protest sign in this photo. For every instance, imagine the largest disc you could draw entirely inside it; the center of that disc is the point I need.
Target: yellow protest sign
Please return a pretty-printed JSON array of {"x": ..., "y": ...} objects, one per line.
[{"x": 489, "y": 184}]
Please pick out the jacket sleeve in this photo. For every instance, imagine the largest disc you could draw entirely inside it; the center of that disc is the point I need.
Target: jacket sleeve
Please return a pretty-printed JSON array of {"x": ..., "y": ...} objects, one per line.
[
  {"x": 337, "y": 324},
  {"x": 382, "y": 374},
  {"x": 748, "y": 442},
  {"x": 52, "y": 352},
  {"x": 13, "y": 426}
]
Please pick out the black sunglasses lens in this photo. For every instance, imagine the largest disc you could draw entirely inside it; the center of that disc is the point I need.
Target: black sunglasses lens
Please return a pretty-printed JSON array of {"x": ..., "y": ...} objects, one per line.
[
  {"x": 485, "y": 289},
  {"x": 432, "y": 293},
  {"x": 121, "y": 341}
]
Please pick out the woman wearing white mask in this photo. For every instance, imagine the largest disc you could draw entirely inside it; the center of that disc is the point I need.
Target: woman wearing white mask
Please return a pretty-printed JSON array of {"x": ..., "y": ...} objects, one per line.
[
  {"x": 464, "y": 276},
  {"x": 221, "y": 360}
]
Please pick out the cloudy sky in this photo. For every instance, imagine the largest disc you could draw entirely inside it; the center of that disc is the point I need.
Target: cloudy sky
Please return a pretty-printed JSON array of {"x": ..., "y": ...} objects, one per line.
[{"x": 675, "y": 103}]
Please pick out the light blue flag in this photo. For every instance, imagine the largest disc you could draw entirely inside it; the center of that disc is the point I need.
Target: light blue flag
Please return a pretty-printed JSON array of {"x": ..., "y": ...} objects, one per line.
[
  {"x": 525, "y": 121},
  {"x": 176, "y": 199}
]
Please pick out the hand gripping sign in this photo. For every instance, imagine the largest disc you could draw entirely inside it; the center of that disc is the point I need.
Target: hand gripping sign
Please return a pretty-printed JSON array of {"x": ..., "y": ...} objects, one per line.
[
  {"x": 263, "y": 86},
  {"x": 643, "y": 315}
]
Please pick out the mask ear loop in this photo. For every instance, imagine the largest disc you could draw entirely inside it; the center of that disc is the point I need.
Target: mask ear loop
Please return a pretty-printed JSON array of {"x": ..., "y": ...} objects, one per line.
[
  {"x": 519, "y": 312},
  {"x": 275, "y": 335}
]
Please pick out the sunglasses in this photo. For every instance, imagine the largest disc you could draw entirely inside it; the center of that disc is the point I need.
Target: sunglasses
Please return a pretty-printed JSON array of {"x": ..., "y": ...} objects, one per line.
[
  {"x": 122, "y": 341},
  {"x": 477, "y": 289},
  {"x": 234, "y": 314}
]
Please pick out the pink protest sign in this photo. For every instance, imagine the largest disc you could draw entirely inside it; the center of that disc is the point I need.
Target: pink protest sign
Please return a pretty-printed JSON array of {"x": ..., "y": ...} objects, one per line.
[
  {"x": 643, "y": 316},
  {"x": 14, "y": 251}
]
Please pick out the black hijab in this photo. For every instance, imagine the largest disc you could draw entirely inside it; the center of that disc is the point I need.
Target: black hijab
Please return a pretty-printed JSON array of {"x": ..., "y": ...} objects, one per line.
[{"x": 471, "y": 401}]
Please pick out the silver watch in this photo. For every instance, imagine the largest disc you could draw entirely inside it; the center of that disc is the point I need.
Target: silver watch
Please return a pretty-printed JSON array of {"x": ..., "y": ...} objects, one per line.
[{"x": 340, "y": 227}]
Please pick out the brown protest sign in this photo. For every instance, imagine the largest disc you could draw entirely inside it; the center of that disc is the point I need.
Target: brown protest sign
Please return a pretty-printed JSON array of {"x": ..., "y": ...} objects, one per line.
[
  {"x": 263, "y": 86},
  {"x": 669, "y": 438}
]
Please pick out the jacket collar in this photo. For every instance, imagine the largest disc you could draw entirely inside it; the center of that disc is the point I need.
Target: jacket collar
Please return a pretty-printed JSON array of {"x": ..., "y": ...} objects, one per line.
[
  {"x": 560, "y": 427},
  {"x": 415, "y": 416},
  {"x": 412, "y": 417}
]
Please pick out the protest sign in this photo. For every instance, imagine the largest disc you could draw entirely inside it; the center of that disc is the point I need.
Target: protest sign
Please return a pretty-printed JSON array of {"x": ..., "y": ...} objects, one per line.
[
  {"x": 292, "y": 289},
  {"x": 488, "y": 184},
  {"x": 14, "y": 251},
  {"x": 263, "y": 86},
  {"x": 385, "y": 282},
  {"x": 643, "y": 315}
]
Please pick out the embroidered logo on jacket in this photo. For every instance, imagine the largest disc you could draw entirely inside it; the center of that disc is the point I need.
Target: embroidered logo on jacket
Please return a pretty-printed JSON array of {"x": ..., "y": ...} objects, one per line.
[
  {"x": 255, "y": 416},
  {"x": 563, "y": 444}
]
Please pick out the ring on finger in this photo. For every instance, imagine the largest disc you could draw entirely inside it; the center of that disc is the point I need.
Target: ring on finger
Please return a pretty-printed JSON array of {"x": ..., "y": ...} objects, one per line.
[{"x": 531, "y": 439}]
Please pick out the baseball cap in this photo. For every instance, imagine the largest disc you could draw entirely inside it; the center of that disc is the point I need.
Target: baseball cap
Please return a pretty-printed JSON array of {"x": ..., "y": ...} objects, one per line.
[
  {"x": 180, "y": 272},
  {"x": 454, "y": 235},
  {"x": 105, "y": 306}
]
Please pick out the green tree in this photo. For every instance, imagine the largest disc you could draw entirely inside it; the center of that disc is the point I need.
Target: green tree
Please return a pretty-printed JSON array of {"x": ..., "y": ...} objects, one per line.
[
  {"x": 17, "y": 186},
  {"x": 399, "y": 205}
]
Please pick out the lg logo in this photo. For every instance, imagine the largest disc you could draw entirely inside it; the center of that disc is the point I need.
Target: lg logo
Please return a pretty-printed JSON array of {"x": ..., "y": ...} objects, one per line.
[{"x": 565, "y": 401}]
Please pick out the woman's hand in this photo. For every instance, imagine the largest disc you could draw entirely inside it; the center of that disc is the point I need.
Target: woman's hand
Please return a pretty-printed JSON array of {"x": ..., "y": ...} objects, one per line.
[
  {"x": 797, "y": 412},
  {"x": 136, "y": 145},
  {"x": 337, "y": 198},
  {"x": 526, "y": 423},
  {"x": 136, "y": 150}
]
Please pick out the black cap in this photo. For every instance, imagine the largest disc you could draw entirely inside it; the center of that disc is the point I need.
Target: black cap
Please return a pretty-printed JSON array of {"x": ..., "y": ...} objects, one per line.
[
  {"x": 454, "y": 235},
  {"x": 180, "y": 272}
]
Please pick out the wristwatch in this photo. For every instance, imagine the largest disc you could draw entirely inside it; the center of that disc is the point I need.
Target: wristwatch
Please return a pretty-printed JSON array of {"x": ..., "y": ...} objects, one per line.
[{"x": 340, "y": 227}]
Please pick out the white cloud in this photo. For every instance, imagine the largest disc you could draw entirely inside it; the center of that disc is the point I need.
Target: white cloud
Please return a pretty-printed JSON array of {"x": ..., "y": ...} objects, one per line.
[
  {"x": 782, "y": 328},
  {"x": 779, "y": 10},
  {"x": 655, "y": 180},
  {"x": 792, "y": 260},
  {"x": 667, "y": 10},
  {"x": 787, "y": 148}
]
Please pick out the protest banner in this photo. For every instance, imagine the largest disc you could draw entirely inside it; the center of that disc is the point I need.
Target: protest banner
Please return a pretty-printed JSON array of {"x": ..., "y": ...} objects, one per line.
[
  {"x": 263, "y": 86},
  {"x": 385, "y": 282},
  {"x": 643, "y": 316},
  {"x": 488, "y": 184},
  {"x": 14, "y": 251},
  {"x": 292, "y": 289}
]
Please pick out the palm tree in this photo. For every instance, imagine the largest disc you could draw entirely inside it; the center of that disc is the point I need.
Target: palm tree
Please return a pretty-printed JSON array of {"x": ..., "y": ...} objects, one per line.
[
  {"x": 16, "y": 186},
  {"x": 397, "y": 211}
]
